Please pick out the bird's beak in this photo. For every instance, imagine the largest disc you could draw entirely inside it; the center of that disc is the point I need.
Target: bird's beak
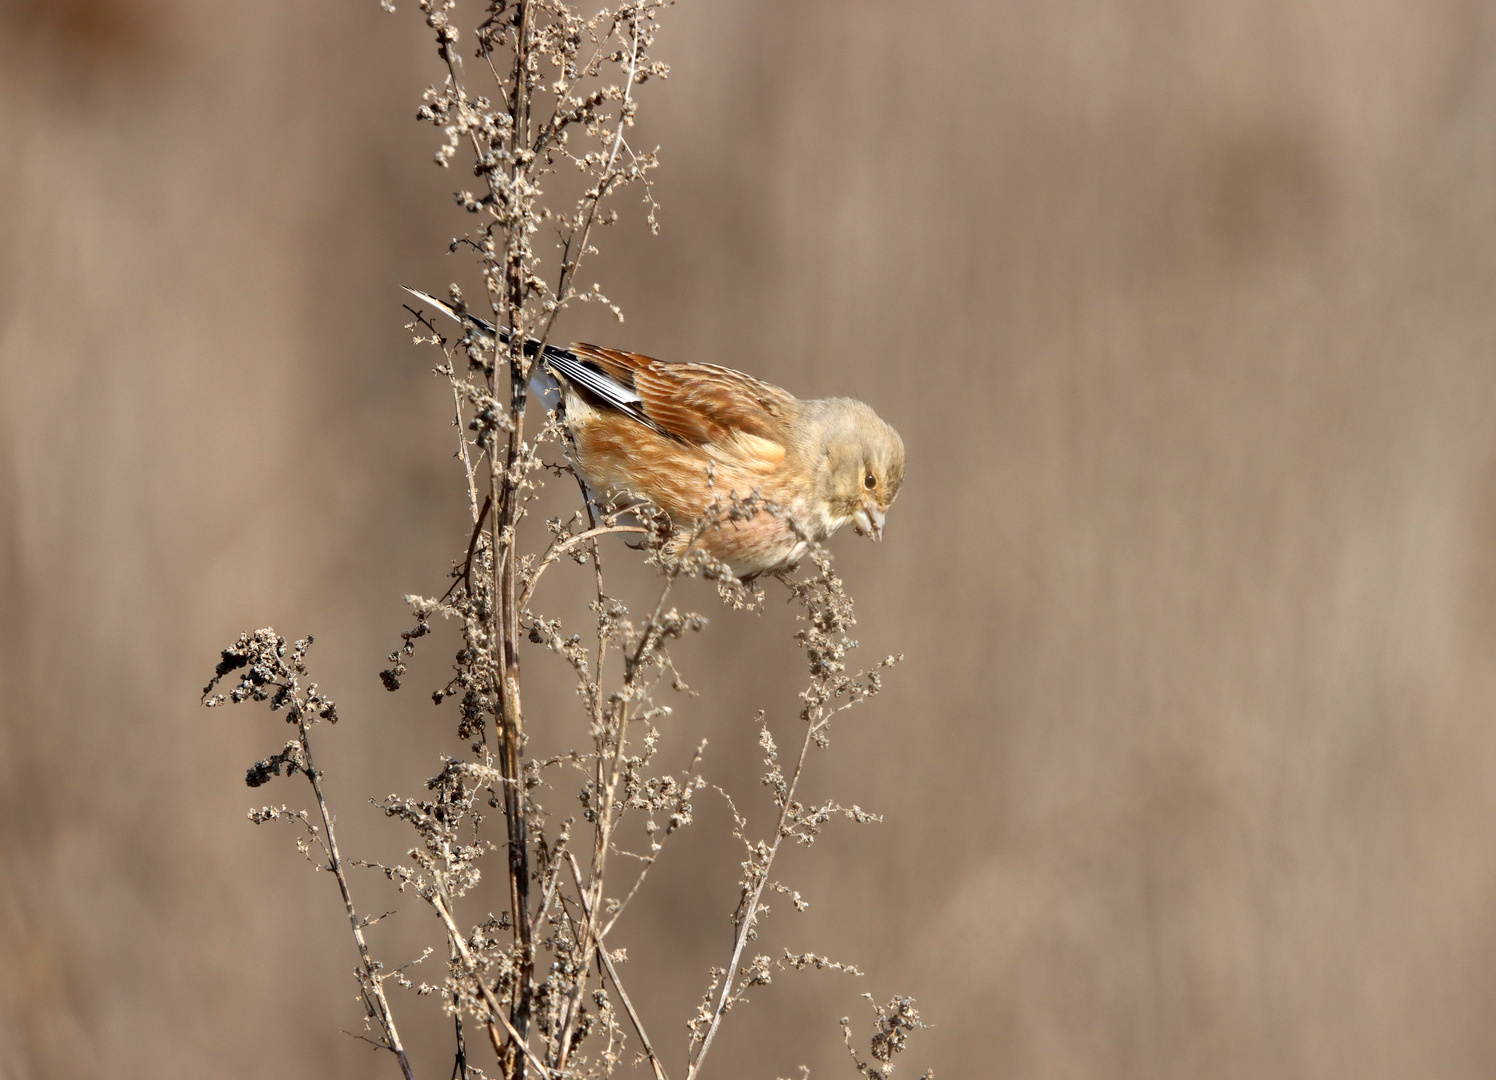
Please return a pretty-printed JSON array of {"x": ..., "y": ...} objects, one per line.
[{"x": 868, "y": 521}]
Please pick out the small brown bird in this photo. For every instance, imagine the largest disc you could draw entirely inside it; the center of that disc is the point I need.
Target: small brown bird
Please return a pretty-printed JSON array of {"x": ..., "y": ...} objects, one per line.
[{"x": 695, "y": 439}]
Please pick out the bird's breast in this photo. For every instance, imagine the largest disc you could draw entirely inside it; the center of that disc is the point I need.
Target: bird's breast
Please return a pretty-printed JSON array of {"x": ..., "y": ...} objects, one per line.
[{"x": 620, "y": 456}]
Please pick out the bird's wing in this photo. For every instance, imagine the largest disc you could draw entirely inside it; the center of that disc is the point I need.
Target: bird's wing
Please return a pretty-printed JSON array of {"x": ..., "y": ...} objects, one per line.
[
  {"x": 613, "y": 388},
  {"x": 698, "y": 403}
]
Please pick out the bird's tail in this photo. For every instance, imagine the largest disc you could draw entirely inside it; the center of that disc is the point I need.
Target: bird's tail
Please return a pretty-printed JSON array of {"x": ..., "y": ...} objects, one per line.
[
  {"x": 543, "y": 383},
  {"x": 555, "y": 361},
  {"x": 472, "y": 322}
]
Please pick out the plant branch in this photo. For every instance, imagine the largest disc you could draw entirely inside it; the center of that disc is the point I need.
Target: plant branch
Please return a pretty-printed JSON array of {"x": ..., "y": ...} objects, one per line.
[
  {"x": 749, "y": 916},
  {"x": 561, "y": 546},
  {"x": 607, "y": 963},
  {"x": 373, "y": 984}
]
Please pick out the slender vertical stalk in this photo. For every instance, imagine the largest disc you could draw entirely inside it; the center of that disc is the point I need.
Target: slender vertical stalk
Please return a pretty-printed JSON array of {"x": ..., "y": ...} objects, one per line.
[
  {"x": 369, "y": 973},
  {"x": 750, "y": 908},
  {"x": 511, "y": 719},
  {"x": 607, "y": 776}
]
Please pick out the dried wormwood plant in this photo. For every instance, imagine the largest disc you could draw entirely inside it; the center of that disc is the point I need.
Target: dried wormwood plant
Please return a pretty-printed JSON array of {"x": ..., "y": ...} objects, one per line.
[{"x": 539, "y": 979}]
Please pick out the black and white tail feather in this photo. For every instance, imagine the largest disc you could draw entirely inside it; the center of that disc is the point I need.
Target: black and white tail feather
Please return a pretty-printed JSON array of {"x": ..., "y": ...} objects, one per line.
[{"x": 558, "y": 363}]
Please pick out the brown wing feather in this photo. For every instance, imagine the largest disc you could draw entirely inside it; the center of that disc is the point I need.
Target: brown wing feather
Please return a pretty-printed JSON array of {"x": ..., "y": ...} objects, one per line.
[
  {"x": 620, "y": 365},
  {"x": 700, "y": 403}
]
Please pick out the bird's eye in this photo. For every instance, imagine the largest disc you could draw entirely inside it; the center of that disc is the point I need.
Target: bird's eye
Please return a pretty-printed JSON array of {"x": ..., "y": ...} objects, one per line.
[{"x": 870, "y": 481}]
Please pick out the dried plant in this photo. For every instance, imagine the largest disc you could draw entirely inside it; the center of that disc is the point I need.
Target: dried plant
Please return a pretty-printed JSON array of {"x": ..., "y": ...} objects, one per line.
[{"x": 540, "y": 980}]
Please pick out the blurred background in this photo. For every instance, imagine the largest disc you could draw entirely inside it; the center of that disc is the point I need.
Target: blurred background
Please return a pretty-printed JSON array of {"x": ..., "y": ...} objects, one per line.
[{"x": 1187, "y": 314}]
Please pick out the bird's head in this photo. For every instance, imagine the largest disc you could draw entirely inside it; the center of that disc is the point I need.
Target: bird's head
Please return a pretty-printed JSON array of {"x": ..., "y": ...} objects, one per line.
[{"x": 862, "y": 464}]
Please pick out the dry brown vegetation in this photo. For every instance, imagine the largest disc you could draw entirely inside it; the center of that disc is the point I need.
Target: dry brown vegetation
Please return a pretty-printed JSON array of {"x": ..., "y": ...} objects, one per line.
[
  {"x": 1182, "y": 309},
  {"x": 545, "y": 93}
]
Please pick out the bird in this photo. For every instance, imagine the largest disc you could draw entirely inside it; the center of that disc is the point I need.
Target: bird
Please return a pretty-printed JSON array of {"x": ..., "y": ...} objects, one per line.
[{"x": 743, "y": 469}]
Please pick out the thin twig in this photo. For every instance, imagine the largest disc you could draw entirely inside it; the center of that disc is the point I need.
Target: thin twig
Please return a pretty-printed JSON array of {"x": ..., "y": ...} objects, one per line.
[
  {"x": 606, "y": 821},
  {"x": 607, "y": 962},
  {"x": 569, "y": 264},
  {"x": 466, "y": 579},
  {"x": 370, "y": 973},
  {"x": 462, "y": 447},
  {"x": 750, "y": 910},
  {"x": 495, "y": 1009},
  {"x": 560, "y": 547}
]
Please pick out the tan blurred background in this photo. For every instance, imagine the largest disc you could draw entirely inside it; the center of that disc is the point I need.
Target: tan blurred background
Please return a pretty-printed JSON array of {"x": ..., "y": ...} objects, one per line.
[{"x": 1187, "y": 314}]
